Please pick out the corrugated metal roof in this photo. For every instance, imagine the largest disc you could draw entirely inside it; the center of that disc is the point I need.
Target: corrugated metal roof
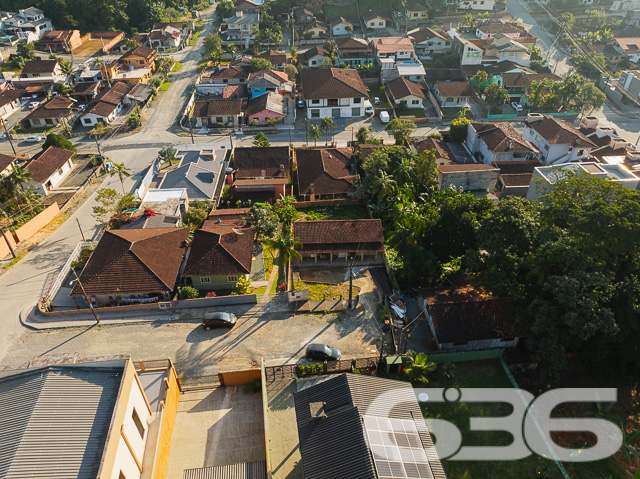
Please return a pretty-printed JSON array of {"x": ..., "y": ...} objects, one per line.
[
  {"x": 335, "y": 447},
  {"x": 245, "y": 470},
  {"x": 54, "y": 421}
]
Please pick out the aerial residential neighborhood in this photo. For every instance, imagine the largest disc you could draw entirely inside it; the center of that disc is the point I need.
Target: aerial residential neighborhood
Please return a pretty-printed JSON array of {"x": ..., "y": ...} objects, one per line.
[{"x": 251, "y": 239}]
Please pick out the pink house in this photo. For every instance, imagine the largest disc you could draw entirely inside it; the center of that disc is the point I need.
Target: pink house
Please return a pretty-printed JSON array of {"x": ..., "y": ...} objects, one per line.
[{"x": 266, "y": 106}]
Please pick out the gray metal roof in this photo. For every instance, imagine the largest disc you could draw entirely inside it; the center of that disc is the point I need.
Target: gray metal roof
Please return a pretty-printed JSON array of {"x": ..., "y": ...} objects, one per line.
[
  {"x": 335, "y": 446},
  {"x": 55, "y": 420},
  {"x": 200, "y": 182},
  {"x": 246, "y": 470}
]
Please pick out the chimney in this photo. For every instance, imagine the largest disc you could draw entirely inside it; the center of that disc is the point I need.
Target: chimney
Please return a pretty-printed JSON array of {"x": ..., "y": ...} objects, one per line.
[
  {"x": 533, "y": 117},
  {"x": 589, "y": 122},
  {"x": 317, "y": 411}
]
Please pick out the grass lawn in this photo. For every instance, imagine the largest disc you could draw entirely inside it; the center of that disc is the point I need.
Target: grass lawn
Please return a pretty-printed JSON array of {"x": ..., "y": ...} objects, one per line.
[
  {"x": 268, "y": 254},
  {"x": 319, "y": 291},
  {"x": 489, "y": 373},
  {"x": 195, "y": 36},
  {"x": 379, "y": 92},
  {"x": 451, "y": 113},
  {"x": 350, "y": 10},
  {"x": 412, "y": 112},
  {"x": 176, "y": 66},
  {"x": 351, "y": 212},
  {"x": 165, "y": 86}
]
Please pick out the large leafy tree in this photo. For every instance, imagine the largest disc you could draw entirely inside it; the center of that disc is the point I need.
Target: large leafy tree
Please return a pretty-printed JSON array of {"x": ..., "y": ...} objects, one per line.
[
  {"x": 400, "y": 129},
  {"x": 212, "y": 46},
  {"x": 59, "y": 141},
  {"x": 416, "y": 367},
  {"x": 497, "y": 96},
  {"x": 262, "y": 217}
]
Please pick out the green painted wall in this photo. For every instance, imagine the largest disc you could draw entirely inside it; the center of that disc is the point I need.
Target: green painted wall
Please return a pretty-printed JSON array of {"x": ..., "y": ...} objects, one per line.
[{"x": 216, "y": 282}]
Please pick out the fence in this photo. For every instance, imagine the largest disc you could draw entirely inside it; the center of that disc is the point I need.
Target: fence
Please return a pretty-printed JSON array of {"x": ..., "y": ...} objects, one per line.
[
  {"x": 238, "y": 378},
  {"x": 289, "y": 371},
  {"x": 456, "y": 356},
  {"x": 195, "y": 383},
  {"x": 36, "y": 223}
]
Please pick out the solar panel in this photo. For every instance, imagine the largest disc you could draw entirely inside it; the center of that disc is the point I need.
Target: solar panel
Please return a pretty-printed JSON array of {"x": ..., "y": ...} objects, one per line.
[{"x": 396, "y": 448}]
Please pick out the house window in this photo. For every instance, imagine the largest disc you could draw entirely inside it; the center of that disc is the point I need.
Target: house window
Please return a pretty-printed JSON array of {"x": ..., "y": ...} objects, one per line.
[
  {"x": 232, "y": 279},
  {"x": 414, "y": 102},
  {"x": 138, "y": 422},
  {"x": 449, "y": 100},
  {"x": 230, "y": 119},
  {"x": 219, "y": 119},
  {"x": 335, "y": 113},
  {"x": 357, "y": 100},
  {"x": 546, "y": 147},
  {"x": 332, "y": 102},
  {"x": 315, "y": 102},
  {"x": 381, "y": 24},
  {"x": 315, "y": 113},
  {"x": 205, "y": 279},
  {"x": 355, "y": 112},
  {"x": 60, "y": 171},
  {"x": 86, "y": 121},
  {"x": 313, "y": 63}
]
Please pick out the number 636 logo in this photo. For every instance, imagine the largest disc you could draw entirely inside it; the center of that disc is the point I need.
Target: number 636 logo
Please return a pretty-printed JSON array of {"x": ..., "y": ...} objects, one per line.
[{"x": 530, "y": 423}]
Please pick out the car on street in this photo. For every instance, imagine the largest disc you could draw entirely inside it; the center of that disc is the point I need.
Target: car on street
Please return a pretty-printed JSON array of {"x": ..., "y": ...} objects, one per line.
[
  {"x": 34, "y": 104},
  {"x": 516, "y": 106},
  {"x": 376, "y": 100},
  {"x": 300, "y": 103},
  {"x": 322, "y": 352},
  {"x": 219, "y": 320},
  {"x": 32, "y": 139},
  {"x": 368, "y": 108},
  {"x": 384, "y": 117}
]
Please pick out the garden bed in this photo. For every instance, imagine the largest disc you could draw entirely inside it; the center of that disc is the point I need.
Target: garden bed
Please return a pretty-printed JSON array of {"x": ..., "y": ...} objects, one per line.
[{"x": 320, "y": 291}]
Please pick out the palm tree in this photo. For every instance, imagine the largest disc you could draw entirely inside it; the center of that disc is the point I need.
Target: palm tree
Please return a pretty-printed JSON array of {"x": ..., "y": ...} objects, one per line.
[
  {"x": 101, "y": 64},
  {"x": 315, "y": 133},
  {"x": 326, "y": 124},
  {"x": 67, "y": 68},
  {"x": 18, "y": 177},
  {"x": 167, "y": 154},
  {"x": 287, "y": 248},
  {"x": 122, "y": 172},
  {"x": 383, "y": 186},
  {"x": 294, "y": 54},
  {"x": 416, "y": 367}
]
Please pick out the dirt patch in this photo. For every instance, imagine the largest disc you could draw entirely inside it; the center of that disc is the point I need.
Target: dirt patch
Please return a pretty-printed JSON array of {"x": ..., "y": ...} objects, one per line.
[
  {"x": 328, "y": 275},
  {"x": 89, "y": 49}
]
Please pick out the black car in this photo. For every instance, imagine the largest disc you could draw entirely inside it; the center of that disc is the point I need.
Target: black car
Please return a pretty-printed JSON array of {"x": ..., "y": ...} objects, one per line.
[
  {"x": 322, "y": 352},
  {"x": 219, "y": 320}
]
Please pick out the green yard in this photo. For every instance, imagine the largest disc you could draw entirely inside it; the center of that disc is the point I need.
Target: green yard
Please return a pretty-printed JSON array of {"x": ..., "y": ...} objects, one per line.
[
  {"x": 350, "y": 212},
  {"x": 321, "y": 291},
  {"x": 165, "y": 86},
  {"x": 195, "y": 35},
  {"x": 176, "y": 66},
  {"x": 381, "y": 8},
  {"x": 489, "y": 374},
  {"x": 451, "y": 113}
]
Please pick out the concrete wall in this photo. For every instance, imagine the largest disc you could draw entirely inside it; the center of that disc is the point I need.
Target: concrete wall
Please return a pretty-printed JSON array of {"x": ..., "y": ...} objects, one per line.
[
  {"x": 31, "y": 227},
  {"x": 472, "y": 180},
  {"x": 4, "y": 247},
  {"x": 168, "y": 422},
  {"x": 238, "y": 378}
]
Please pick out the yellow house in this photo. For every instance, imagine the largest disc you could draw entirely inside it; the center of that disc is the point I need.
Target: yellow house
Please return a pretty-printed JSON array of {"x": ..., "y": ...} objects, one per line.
[{"x": 88, "y": 419}]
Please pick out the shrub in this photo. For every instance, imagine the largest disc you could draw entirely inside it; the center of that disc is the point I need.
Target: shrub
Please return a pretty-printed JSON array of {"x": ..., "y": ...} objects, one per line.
[
  {"x": 306, "y": 370},
  {"x": 187, "y": 292},
  {"x": 243, "y": 286}
]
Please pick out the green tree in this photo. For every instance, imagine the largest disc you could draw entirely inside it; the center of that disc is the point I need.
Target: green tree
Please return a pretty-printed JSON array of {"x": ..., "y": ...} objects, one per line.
[
  {"x": 131, "y": 44},
  {"x": 479, "y": 78},
  {"x": 467, "y": 20},
  {"x": 67, "y": 68},
  {"x": 164, "y": 65},
  {"x": 293, "y": 51},
  {"x": 196, "y": 216},
  {"x": 590, "y": 98},
  {"x": 212, "y": 45},
  {"x": 108, "y": 200},
  {"x": 261, "y": 140},
  {"x": 171, "y": 15},
  {"x": 259, "y": 64},
  {"x": 121, "y": 171},
  {"x": 285, "y": 211},
  {"x": 263, "y": 219},
  {"x": 243, "y": 286},
  {"x": 291, "y": 72},
  {"x": 167, "y": 154},
  {"x": 327, "y": 125},
  {"x": 134, "y": 121},
  {"x": 366, "y": 136},
  {"x": 224, "y": 9},
  {"x": 315, "y": 133},
  {"x": 287, "y": 248},
  {"x": 26, "y": 50},
  {"x": 59, "y": 141},
  {"x": 400, "y": 129},
  {"x": 20, "y": 177},
  {"x": 458, "y": 130},
  {"x": 497, "y": 96},
  {"x": 416, "y": 367},
  {"x": 187, "y": 292}
]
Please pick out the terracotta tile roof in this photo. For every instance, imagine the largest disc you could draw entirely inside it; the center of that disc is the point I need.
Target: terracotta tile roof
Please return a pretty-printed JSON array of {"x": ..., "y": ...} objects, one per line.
[
  {"x": 467, "y": 167},
  {"x": 5, "y": 161},
  {"x": 43, "y": 67},
  {"x": 500, "y": 137},
  {"x": 463, "y": 314},
  {"x": 312, "y": 52},
  {"x": 338, "y": 20},
  {"x": 339, "y": 235},
  {"x": 454, "y": 88},
  {"x": 141, "y": 51},
  {"x": 516, "y": 179},
  {"x": 276, "y": 75},
  {"x": 353, "y": 44},
  {"x": 524, "y": 79},
  {"x": 328, "y": 170},
  {"x": 240, "y": 73},
  {"x": 108, "y": 99},
  {"x": 493, "y": 28},
  {"x": 220, "y": 250},
  {"x": 517, "y": 167},
  {"x": 442, "y": 150},
  {"x": 85, "y": 87},
  {"x": 57, "y": 36},
  {"x": 274, "y": 56},
  {"x": 47, "y": 163},
  {"x": 332, "y": 83},
  {"x": 559, "y": 132},
  {"x": 366, "y": 150},
  {"x": 57, "y": 107},
  {"x": 234, "y": 92},
  {"x": 416, "y": 7},
  {"x": 392, "y": 44},
  {"x": 226, "y": 217},
  {"x": 426, "y": 34},
  {"x": 133, "y": 261},
  {"x": 497, "y": 68},
  {"x": 401, "y": 87},
  {"x": 9, "y": 96},
  {"x": 253, "y": 162},
  {"x": 373, "y": 15},
  {"x": 204, "y": 109},
  {"x": 316, "y": 24}
]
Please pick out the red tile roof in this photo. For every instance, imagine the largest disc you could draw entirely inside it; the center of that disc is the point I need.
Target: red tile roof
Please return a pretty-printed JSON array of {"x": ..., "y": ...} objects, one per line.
[
  {"x": 501, "y": 137},
  {"x": 442, "y": 150},
  {"x": 401, "y": 88},
  {"x": 467, "y": 167},
  {"x": 57, "y": 107},
  {"x": 43, "y": 67},
  {"x": 226, "y": 217},
  {"x": 253, "y": 162},
  {"x": 131, "y": 261},
  {"x": 327, "y": 236},
  {"x": 326, "y": 171},
  {"x": 332, "y": 83},
  {"x": 6, "y": 161},
  {"x": 454, "y": 88},
  {"x": 228, "y": 107},
  {"x": 220, "y": 250},
  {"x": 559, "y": 132},
  {"x": 47, "y": 163}
]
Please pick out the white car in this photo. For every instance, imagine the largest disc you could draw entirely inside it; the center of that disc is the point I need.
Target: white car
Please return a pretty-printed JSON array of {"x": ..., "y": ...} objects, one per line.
[
  {"x": 376, "y": 100},
  {"x": 368, "y": 108},
  {"x": 34, "y": 104},
  {"x": 33, "y": 139},
  {"x": 516, "y": 106}
]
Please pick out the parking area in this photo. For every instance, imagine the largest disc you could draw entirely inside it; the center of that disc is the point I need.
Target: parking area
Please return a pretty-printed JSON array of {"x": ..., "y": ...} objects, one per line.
[
  {"x": 83, "y": 170},
  {"x": 216, "y": 427}
]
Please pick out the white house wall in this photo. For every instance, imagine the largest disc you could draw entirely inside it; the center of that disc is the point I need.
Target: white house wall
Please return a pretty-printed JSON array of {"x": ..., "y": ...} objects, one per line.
[{"x": 345, "y": 105}]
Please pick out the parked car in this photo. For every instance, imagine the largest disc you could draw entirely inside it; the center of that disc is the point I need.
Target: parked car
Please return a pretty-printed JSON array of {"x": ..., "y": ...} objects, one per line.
[
  {"x": 376, "y": 100},
  {"x": 300, "y": 103},
  {"x": 368, "y": 108},
  {"x": 322, "y": 352},
  {"x": 219, "y": 320},
  {"x": 34, "y": 104},
  {"x": 384, "y": 117},
  {"x": 33, "y": 139},
  {"x": 516, "y": 106}
]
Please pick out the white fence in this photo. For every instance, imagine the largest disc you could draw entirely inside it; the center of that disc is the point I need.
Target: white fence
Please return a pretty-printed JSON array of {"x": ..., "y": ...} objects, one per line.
[{"x": 75, "y": 254}]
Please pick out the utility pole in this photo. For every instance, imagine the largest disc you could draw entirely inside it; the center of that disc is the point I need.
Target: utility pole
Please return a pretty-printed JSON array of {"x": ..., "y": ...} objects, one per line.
[
  {"x": 306, "y": 129},
  {"x": 353, "y": 258},
  {"x": 98, "y": 145},
  {"x": 190, "y": 125},
  {"x": 289, "y": 135},
  {"x": 4, "y": 125},
  {"x": 80, "y": 228},
  {"x": 86, "y": 298}
]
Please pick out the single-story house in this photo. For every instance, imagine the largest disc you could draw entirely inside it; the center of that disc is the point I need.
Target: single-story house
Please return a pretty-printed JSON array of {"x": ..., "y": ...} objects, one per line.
[
  {"x": 472, "y": 177},
  {"x": 9, "y": 102},
  {"x": 267, "y": 106},
  {"x": 260, "y": 174},
  {"x": 341, "y": 26},
  {"x": 53, "y": 111},
  {"x": 443, "y": 153},
  {"x": 314, "y": 57},
  {"x": 6, "y": 164},
  {"x": 427, "y": 41},
  {"x": 106, "y": 106},
  {"x": 61, "y": 41},
  {"x": 416, "y": 13},
  {"x": 50, "y": 168},
  {"x": 133, "y": 264},
  {"x": 374, "y": 21},
  {"x": 214, "y": 112},
  {"x": 277, "y": 59},
  {"x": 219, "y": 256},
  {"x": 338, "y": 240},
  {"x": 315, "y": 30},
  {"x": 463, "y": 318},
  {"x": 49, "y": 69},
  {"x": 453, "y": 93},
  {"x": 407, "y": 92},
  {"x": 326, "y": 173}
]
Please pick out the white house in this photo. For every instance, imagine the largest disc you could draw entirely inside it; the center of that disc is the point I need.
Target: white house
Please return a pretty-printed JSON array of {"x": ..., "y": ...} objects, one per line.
[
  {"x": 9, "y": 103},
  {"x": 470, "y": 54},
  {"x": 492, "y": 143},
  {"x": 107, "y": 105},
  {"x": 505, "y": 48},
  {"x": 334, "y": 93},
  {"x": 557, "y": 140},
  {"x": 341, "y": 26},
  {"x": 50, "y": 168},
  {"x": 28, "y": 25},
  {"x": 373, "y": 21},
  {"x": 427, "y": 41},
  {"x": 314, "y": 57},
  {"x": 43, "y": 69},
  {"x": 484, "y": 5},
  {"x": 406, "y": 91},
  {"x": 240, "y": 28},
  {"x": 453, "y": 93},
  {"x": 394, "y": 48}
]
